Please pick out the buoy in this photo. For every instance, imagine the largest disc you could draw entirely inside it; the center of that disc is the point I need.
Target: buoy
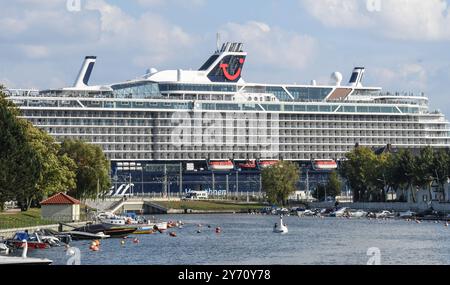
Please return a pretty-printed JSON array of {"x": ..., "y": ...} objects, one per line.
[
  {"x": 199, "y": 225},
  {"x": 209, "y": 226},
  {"x": 218, "y": 230},
  {"x": 199, "y": 231},
  {"x": 94, "y": 246},
  {"x": 122, "y": 242},
  {"x": 125, "y": 237},
  {"x": 173, "y": 234},
  {"x": 136, "y": 240},
  {"x": 446, "y": 224}
]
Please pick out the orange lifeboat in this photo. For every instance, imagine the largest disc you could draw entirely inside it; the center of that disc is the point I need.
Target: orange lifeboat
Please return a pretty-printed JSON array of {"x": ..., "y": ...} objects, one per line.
[
  {"x": 327, "y": 164},
  {"x": 267, "y": 163},
  {"x": 249, "y": 164},
  {"x": 220, "y": 165}
]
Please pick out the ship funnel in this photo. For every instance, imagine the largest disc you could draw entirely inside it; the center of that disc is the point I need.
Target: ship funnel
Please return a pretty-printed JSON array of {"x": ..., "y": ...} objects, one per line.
[
  {"x": 357, "y": 76},
  {"x": 85, "y": 72}
]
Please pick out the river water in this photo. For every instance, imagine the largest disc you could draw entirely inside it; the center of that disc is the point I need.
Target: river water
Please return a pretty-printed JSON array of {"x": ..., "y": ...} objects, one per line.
[{"x": 248, "y": 239}]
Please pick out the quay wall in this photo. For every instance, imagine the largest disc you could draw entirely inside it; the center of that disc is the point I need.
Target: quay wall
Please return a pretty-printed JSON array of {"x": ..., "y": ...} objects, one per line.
[
  {"x": 9, "y": 233},
  {"x": 398, "y": 207}
]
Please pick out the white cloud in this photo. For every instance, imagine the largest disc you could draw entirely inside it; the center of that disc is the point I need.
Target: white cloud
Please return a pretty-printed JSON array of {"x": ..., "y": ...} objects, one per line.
[
  {"x": 272, "y": 46},
  {"x": 152, "y": 3},
  {"x": 398, "y": 19},
  {"x": 409, "y": 77},
  {"x": 5, "y": 82},
  {"x": 35, "y": 51},
  {"x": 338, "y": 13},
  {"x": 152, "y": 38},
  {"x": 415, "y": 19}
]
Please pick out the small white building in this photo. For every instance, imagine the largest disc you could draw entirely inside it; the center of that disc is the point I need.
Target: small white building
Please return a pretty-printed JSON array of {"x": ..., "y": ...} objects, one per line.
[{"x": 61, "y": 208}]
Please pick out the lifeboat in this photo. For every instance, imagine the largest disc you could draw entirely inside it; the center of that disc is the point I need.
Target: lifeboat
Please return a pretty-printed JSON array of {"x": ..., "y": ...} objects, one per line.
[
  {"x": 249, "y": 164},
  {"x": 327, "y": 164},
  {"x": 221, "y": 165},
  {"x": 267, "y": 163}
]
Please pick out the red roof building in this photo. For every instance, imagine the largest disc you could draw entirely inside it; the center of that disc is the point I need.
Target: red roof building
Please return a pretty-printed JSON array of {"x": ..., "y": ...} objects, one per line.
[
  {"x": 60, "y": 199},
  {"x": 61, "y": 208}
]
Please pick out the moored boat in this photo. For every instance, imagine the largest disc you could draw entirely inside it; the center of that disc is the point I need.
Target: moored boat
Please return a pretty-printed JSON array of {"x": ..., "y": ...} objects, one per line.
[
  {"x": 110, "y": 230},
  {"x": 33, "y": 241},
  {"x": 82, "y": 235},
  {"x": 24, "y": 260}
]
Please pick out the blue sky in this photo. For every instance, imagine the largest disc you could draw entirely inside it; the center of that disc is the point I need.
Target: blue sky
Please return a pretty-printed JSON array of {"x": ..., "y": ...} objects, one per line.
[{"x": 403, "y": 44}]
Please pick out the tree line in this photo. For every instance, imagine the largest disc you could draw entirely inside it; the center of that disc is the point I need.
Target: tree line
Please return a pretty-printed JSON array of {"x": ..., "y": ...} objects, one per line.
[
  {"x": 372, "y": 176},
  {"x": 34, "y": 166}
]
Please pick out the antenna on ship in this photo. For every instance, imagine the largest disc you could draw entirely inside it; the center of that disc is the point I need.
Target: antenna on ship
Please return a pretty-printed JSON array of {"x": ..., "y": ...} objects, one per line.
[{"x": 218, "y": 41}]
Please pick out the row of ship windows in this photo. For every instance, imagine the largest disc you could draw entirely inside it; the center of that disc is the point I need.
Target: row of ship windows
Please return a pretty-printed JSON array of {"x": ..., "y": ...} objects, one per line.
[
  {"x": 145, "y": 141},
  {"x": 227, "y": 125},
  {"x": 177, "y": 156},
  {"x": 225, "y": 106},
  {"x": 69, "y": 114},
  {"x": 142, "y": 89},
  {"x": 250, "y": 134},
  {"x": 305, "y": 147}
]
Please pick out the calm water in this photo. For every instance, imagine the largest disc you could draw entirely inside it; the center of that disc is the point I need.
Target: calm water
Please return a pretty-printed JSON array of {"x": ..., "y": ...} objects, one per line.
[{"x": 248, "y": 239}]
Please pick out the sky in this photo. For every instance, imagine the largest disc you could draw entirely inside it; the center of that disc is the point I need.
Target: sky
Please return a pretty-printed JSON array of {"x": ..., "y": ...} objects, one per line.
[{"x": 404, "y": 44}]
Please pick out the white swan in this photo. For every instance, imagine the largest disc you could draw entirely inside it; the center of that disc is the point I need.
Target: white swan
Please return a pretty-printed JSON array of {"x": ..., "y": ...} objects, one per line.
[{"x": 280, "y": 228}]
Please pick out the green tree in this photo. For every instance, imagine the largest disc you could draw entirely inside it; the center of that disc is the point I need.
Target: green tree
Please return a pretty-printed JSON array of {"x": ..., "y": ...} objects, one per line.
[
  {"x": 92, "y": 169},
  {"x": 334, "y": 185},
  {"x": 424, "y": 169},
  {"x": 320, "y": 192},
  {"x": 57, "y": 171},
  {"x": 19, "y": 163},
  {"x": 279, "y": 181},
  {"x": 380, "y": 176},
  {"x": 404, "y": 172},
  {"x": 440, "y": 169},
  {"x": 331, "y": 189},
  {"x": 359, "y": 170}
]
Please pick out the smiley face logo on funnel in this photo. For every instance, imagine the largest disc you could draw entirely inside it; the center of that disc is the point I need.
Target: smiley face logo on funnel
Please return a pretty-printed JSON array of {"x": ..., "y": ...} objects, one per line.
[{"x": 236, "y": 75}]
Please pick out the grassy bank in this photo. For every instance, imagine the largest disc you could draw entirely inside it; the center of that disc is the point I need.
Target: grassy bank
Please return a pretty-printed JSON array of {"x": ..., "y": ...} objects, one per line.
[
  {"x": 208, "y": 205},
  {"x": 29, "y": 218}
]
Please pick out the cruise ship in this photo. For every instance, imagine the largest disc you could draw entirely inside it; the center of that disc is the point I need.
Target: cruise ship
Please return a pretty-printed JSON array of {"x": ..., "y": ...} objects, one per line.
[{"x": 210, "y": 129}]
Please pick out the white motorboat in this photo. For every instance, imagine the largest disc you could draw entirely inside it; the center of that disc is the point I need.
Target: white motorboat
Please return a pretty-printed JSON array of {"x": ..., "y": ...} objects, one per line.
[
  {"x": 357, "y": 214},
  {"x": 280, "y": 228},
  {"x": 4, "y": 249},
  {"x": 407, "y": 214},
  {"x": 384, "y": 214},
  {"x": 79, "y": 235},
  {"x": 24, "y": 260},
  {"x": 339, "y": 213}
]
